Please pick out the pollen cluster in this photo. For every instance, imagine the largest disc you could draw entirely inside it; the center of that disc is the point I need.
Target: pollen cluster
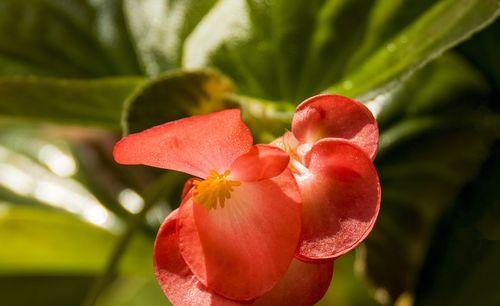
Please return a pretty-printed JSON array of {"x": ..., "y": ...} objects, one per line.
[{"x": 214, "y": 190}]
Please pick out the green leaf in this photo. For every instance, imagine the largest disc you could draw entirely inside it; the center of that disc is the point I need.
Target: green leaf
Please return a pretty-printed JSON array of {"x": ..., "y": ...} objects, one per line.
[
  {"x": 159, "y": 28},
  {"x": 41, "y": 241},
  {"x": 178, "y": 94},
  {"x": 279, "y": 50},
  {"x": 288, "y": 50},
  {"x": 37, "y": 155},
  {"x": 420, "y": 178},
  {"x": 462, "y": 264},
  {"x": 52, "y": 258},
  {"x": 444, "y": 25},
  {"x": 347, "y": 288},
  {"x": 267, "y": 47},
  {"x": 134, "y": 292},
  {"x": 483, "y": 50},
  {"x": 60, "y": 266},
  {"x": 44, "y": 290},
  {"x": 64, "y": 38},
  {"x": 175, "y": 95},
  {"x": 448, "y": 82},
  {"x": 87, "y": 102},
  {"x": 428, "y": 152}
]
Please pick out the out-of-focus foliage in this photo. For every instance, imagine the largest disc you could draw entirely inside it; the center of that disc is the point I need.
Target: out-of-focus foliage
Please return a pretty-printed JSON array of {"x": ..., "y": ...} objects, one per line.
[
  {"x": 461, "y": 266},
  {"x": 80, "y": 38},
  {"x": 427, "y": 155},
  {"x": 55, "y": 256},
  {"x": 96, "y": 102},
  {"x": 194, "y": 92},
  {"x": 131, "y": 64}
]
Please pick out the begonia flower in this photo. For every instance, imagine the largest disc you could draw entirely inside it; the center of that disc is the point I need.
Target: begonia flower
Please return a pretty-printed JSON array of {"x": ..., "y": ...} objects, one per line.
[
  {"x": 239, "y": 224},
  {"x": 331, "y": 145}
]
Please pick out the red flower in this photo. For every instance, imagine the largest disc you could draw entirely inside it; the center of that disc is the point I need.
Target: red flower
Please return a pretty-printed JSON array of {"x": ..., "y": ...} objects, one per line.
[
  {"x": 233, "y": 239},
  {"x": 332, "y": 144},
  {"x": 237, "y": 229}
]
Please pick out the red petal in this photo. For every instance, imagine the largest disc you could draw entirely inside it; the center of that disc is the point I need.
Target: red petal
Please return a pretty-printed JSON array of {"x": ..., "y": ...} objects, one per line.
[
  {"x": 261, "y": 162},
  {"x": 194, "y": 145},
  {"x": 341, "y": 199},
  {"x": 242, "y": 250},
  {"x": 303, "y": 285},
  {"x": 335, "y": 116},
  {"x": 176, "y": 280},
  {"x": 188, "y": 185}
]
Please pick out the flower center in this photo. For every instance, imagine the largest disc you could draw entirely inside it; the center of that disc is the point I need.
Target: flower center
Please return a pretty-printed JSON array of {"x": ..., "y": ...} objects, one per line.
[{"x": 214, "y": 190}]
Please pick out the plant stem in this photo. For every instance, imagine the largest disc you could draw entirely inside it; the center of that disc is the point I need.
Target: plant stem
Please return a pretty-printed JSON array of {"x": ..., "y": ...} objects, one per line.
[{"x": 163, "y": 187}]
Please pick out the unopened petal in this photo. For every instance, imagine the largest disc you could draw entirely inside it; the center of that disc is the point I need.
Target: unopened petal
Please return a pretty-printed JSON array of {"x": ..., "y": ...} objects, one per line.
[{"x": 336, "y": 116}]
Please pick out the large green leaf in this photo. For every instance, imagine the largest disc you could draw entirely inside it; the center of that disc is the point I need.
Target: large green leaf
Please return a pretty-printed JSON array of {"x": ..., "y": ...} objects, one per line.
[
  {"x": 267, "y": 46},
  {"x": 445, "y": 24},
  {"x": 179, "y": 93},
  {"x": 448, "y": 82},
  {"x": 39, "y": 155},
  {"x": 462, "y": 265},
  {"x": 279, "y": 50},
  {"x": 51, "y": 258},
  {"x": 288, "y": 50},
  {"x": 38, "y": 240},
  {"x": 428, "y": 152},
  {"x": 44, "y": 290},
  {"x": 96, "y": 102},
  {"x": 159, "y": 28},
  {"x": 64, "y": 38},
  {"x": 175, "y": 95}
]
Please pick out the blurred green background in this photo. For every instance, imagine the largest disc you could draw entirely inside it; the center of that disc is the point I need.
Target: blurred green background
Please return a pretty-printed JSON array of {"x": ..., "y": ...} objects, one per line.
[{"x": 75, "y": 75}]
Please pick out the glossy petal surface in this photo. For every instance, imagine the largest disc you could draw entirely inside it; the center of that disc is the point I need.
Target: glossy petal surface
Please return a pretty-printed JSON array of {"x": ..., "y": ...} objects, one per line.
[
  {"x": 304, "y": 284},
  {"x": 176, "y": 280},
  {"x": 261, "y": 162},
  {"x": 194, "y": 145},
  {"x": 242, "y": 250},
  {"x": 341, "y": 199},
  {"x": 335, "y": 116}
]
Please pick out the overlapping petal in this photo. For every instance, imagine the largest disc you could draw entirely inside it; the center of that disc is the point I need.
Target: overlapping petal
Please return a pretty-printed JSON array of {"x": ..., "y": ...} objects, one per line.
[
  {"x": 261, "y": 162},
  {"x": 195, "y": 145},
  {"x": 336, "y": 116},
  {"x": 304, "y": 284},
  {"x": 244, "y": 249},
  {"x": 340, "y": 197},
  {"x": 178, "y": 283},
  {"x": 188, "y": 185}
]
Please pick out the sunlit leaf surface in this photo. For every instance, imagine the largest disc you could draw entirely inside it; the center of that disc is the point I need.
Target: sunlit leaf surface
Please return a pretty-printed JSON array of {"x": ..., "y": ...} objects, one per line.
[{"x": 96, "y": 102}]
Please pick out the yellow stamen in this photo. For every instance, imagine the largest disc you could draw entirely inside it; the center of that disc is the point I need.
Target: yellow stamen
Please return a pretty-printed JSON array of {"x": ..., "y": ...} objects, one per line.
[{"x": 214, "y": 190}]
